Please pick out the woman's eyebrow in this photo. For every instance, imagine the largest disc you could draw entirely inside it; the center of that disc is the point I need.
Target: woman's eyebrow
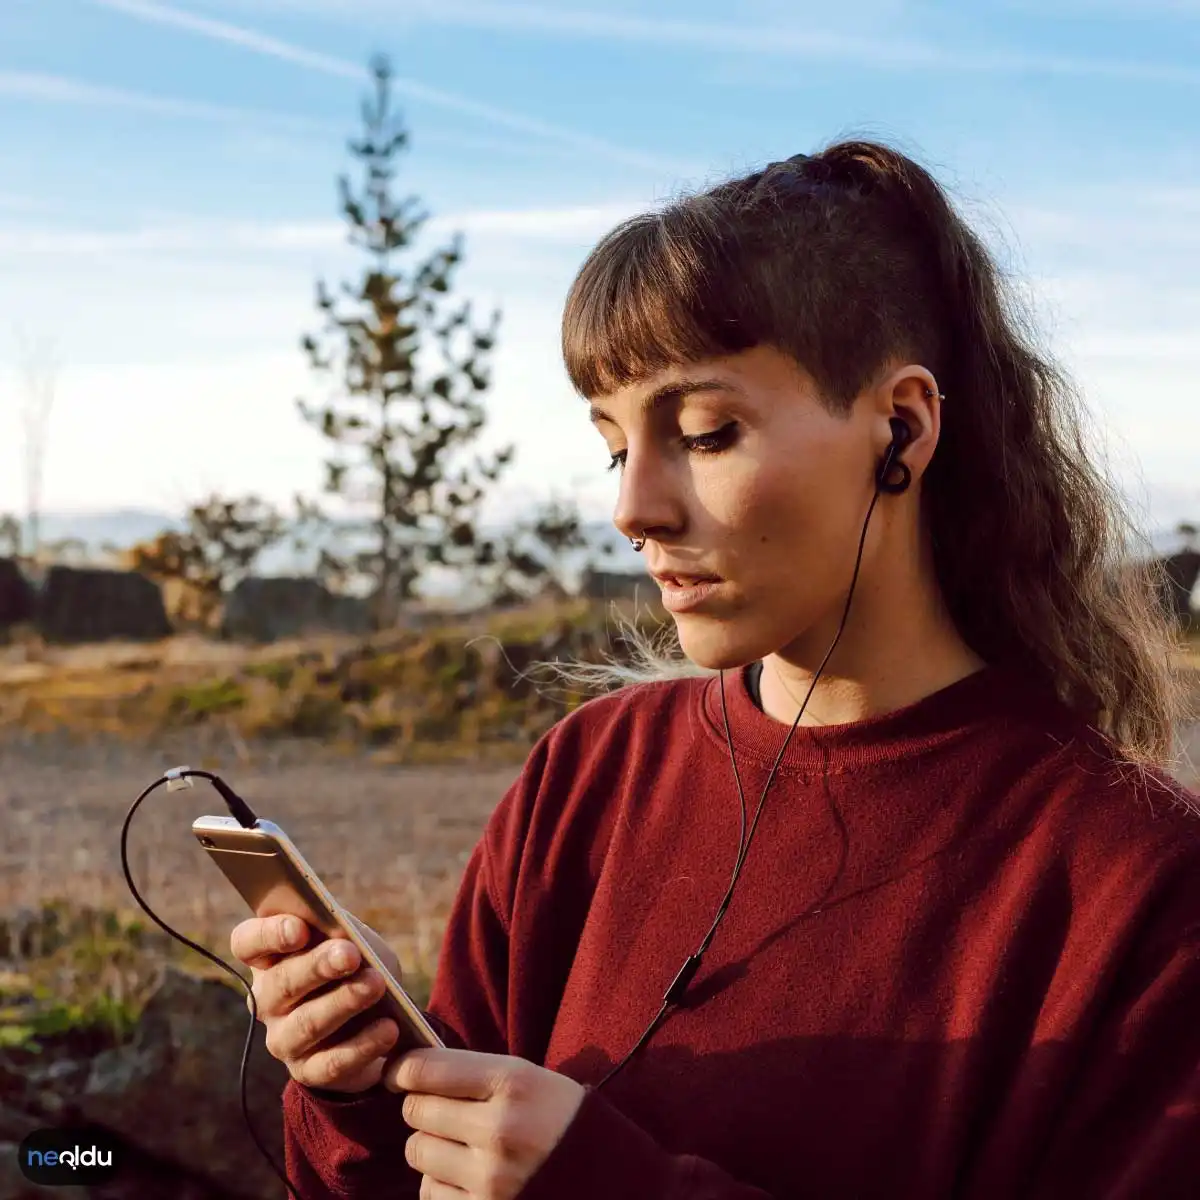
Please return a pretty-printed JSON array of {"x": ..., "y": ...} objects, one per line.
[{"x": 672, "y": 392}]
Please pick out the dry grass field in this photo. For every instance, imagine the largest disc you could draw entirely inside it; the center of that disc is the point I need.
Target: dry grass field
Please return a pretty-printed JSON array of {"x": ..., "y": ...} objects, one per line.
[
  {"x": 391, "y": 841},
  {"x": 390, "y": 838}
]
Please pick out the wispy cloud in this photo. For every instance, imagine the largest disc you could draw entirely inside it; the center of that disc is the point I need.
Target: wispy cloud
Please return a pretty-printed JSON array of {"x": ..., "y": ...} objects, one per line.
[
  {"x": 60, "y": 89},
  {"x": 789, "y": 40},
  {"x": 259, "y": 43},
  {"x": 777, "y": 39},
  {"x": 574, "y": 224}
]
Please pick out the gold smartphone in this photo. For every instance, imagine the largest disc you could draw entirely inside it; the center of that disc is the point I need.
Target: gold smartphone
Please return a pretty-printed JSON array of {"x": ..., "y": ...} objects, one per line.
[{"x": 272, "y": 877}]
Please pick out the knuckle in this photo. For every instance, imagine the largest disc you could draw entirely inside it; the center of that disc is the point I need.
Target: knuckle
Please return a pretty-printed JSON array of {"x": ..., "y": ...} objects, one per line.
[
  {"x": 330, "y": 1067},
  {"x": 504, "y": 1136},
  {"x": 295, "y": 978},
  {"x": 304, "y": 1025},
  {"x": 513, "y": 1087},
  {"x": 338, "y": 1061},
  {"x": 495, "y": 1179},
  {"x": 367, "y": 986},
  {"x": 287, "y": 976},
  {"x": 271, "y": 1041},
  {"x": 417, "y": 1072}
]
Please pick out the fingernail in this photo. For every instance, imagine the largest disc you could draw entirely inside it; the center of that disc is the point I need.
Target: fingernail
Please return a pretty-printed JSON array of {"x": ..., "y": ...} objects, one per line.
[
  {"x": 291, "y": 931},
  {"x": 340, "y": 957}
]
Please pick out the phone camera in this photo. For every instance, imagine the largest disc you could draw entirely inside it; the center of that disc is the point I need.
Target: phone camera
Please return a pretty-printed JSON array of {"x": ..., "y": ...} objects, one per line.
[{"x": 207, "y": 841}]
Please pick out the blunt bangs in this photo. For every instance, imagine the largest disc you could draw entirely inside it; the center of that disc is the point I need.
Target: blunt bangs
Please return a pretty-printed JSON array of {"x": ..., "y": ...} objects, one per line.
[{"x": 660, "y": 290}]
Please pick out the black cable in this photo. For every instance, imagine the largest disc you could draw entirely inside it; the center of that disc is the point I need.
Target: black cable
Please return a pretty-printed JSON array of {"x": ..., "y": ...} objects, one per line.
[
  {"x": 674, "y": 995},
  {"x": 245, "y": 817}
]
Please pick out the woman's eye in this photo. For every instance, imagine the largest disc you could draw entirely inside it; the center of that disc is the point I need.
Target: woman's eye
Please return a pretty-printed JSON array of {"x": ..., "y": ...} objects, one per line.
[
  {"x": 712, "y": 443},
  {"x": 699, "y": 443}
]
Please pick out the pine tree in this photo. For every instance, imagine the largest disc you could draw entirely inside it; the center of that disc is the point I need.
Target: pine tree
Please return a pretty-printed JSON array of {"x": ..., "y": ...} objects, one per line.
[{"x": 400, "y": 425}]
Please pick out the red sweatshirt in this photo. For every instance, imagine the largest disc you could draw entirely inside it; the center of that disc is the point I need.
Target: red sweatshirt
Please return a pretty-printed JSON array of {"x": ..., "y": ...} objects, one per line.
[{"x": 962, "y": 960}]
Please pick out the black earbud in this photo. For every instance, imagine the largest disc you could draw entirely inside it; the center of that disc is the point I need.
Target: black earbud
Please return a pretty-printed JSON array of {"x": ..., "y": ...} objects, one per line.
[{"x": 901, "y": 436}]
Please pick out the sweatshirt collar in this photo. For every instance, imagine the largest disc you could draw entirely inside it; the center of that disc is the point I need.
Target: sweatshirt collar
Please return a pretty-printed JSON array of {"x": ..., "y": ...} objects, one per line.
[{"x": 978, "y": 702}]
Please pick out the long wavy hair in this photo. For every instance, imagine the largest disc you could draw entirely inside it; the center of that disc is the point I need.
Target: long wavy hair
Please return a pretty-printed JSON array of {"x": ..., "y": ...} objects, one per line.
[{"x": 849, "y": 259}]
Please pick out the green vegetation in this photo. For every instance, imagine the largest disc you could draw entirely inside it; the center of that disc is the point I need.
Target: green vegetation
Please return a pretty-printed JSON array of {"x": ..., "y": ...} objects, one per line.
[
  {"x": 83, "y": 976},
  {"x": 467, "y": 690}
]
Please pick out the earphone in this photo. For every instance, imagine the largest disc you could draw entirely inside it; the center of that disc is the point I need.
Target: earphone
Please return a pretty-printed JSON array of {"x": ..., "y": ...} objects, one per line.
[
  {"x": 674, "y": 996},
  {"x": 901, "y": 436},
  {"x": 675, "y": 993}
]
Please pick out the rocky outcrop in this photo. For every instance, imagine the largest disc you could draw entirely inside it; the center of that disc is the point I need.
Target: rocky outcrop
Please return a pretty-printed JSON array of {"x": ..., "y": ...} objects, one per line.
[
  {"x": 169, "y": 1094},
  {"x": 270, "y": 609},
  {"x": 86, "y": 604},
  {"x": 16, "y": 595},
  {"x": 1180, "y": 574}
]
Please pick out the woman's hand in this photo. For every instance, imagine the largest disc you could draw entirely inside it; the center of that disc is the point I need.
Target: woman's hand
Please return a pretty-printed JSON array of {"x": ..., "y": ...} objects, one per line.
[
  {"x": 485, "y": 1122},
  {"x": 318, "y": 1037}
]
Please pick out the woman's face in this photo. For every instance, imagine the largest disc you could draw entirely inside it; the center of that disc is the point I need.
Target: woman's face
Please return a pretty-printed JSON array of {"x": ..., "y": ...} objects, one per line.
[{"x": 733, "y": 469}]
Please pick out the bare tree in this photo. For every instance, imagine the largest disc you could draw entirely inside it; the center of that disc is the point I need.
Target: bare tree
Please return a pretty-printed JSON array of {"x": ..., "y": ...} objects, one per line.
[
  {"x": 39, "y": 366},
  {"x": 10, "y": 536}
]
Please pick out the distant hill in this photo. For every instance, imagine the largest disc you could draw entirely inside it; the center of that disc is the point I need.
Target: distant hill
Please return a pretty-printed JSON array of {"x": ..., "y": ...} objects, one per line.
[
  {"x": 125, "y": 526},
  {"x": 121, "y": 526}
]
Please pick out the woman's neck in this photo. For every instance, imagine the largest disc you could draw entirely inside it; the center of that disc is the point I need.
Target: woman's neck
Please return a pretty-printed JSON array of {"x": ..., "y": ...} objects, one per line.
[
  {"x": 900, "y": 645},
  {"x": 839, "y": 700}
]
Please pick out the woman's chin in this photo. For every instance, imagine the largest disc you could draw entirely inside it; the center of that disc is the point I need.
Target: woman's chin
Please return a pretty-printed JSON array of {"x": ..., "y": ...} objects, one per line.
[{"x": 716, "y": 645}]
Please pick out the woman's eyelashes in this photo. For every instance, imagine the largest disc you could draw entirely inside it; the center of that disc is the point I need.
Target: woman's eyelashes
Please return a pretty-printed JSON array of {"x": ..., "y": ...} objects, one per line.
[
  {"x": 712, "y": 443},
  {"x": 699, "y": 443}
]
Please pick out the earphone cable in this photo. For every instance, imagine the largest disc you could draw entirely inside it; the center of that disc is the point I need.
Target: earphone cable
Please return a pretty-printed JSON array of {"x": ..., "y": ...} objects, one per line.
[
  {"x": 674, "y": 994},
  {"x": 241, "y": 811}
]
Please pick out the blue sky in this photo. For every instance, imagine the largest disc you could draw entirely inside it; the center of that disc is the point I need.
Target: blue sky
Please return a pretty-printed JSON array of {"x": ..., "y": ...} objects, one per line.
[{"x": 167, "y": 200}]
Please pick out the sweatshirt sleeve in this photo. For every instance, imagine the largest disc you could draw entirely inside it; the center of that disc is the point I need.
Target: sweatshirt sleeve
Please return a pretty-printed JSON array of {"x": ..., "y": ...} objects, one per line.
[
  {"x": 349, "y": 1146},
  {"x": 603, "y": 1154},
  {"x": 1132, "y": 1126}
]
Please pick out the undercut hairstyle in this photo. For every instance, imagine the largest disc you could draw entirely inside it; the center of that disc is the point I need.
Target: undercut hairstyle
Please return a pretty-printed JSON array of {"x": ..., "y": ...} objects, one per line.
[{"x": 855, "y": 258}]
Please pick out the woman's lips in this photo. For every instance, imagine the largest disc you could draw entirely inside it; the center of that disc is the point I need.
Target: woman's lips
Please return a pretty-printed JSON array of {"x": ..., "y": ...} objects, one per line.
[{"x": 681, "y": 593}]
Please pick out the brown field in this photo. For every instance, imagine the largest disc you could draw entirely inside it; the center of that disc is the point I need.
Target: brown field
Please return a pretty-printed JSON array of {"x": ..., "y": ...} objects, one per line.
[{"x": 391, "y": 839}]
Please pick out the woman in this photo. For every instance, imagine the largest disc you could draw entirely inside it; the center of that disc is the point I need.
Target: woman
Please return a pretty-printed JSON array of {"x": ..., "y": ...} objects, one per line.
[{"x": 961, "y": 955}]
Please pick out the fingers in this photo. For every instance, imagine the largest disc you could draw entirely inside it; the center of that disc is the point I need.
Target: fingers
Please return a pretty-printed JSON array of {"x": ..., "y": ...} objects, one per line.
[
  {"x": 302, "y": 1031},
  {"x": 352, "y": 1065},
  {"x": 286, "y": 984},
  {"x": 260, "y": 941}
]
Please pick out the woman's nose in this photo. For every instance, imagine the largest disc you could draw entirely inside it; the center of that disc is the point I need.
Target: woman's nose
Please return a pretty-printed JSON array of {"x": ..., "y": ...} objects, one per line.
[{"x": 647, "y": 502}]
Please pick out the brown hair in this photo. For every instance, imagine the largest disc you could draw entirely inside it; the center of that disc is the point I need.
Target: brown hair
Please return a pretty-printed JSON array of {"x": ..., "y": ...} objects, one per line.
[{"x": 848, "y": 260}]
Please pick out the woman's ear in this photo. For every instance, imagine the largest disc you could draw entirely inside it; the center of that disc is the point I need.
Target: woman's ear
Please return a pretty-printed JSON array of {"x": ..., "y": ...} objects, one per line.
[{"x": 910, "y": 395}]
